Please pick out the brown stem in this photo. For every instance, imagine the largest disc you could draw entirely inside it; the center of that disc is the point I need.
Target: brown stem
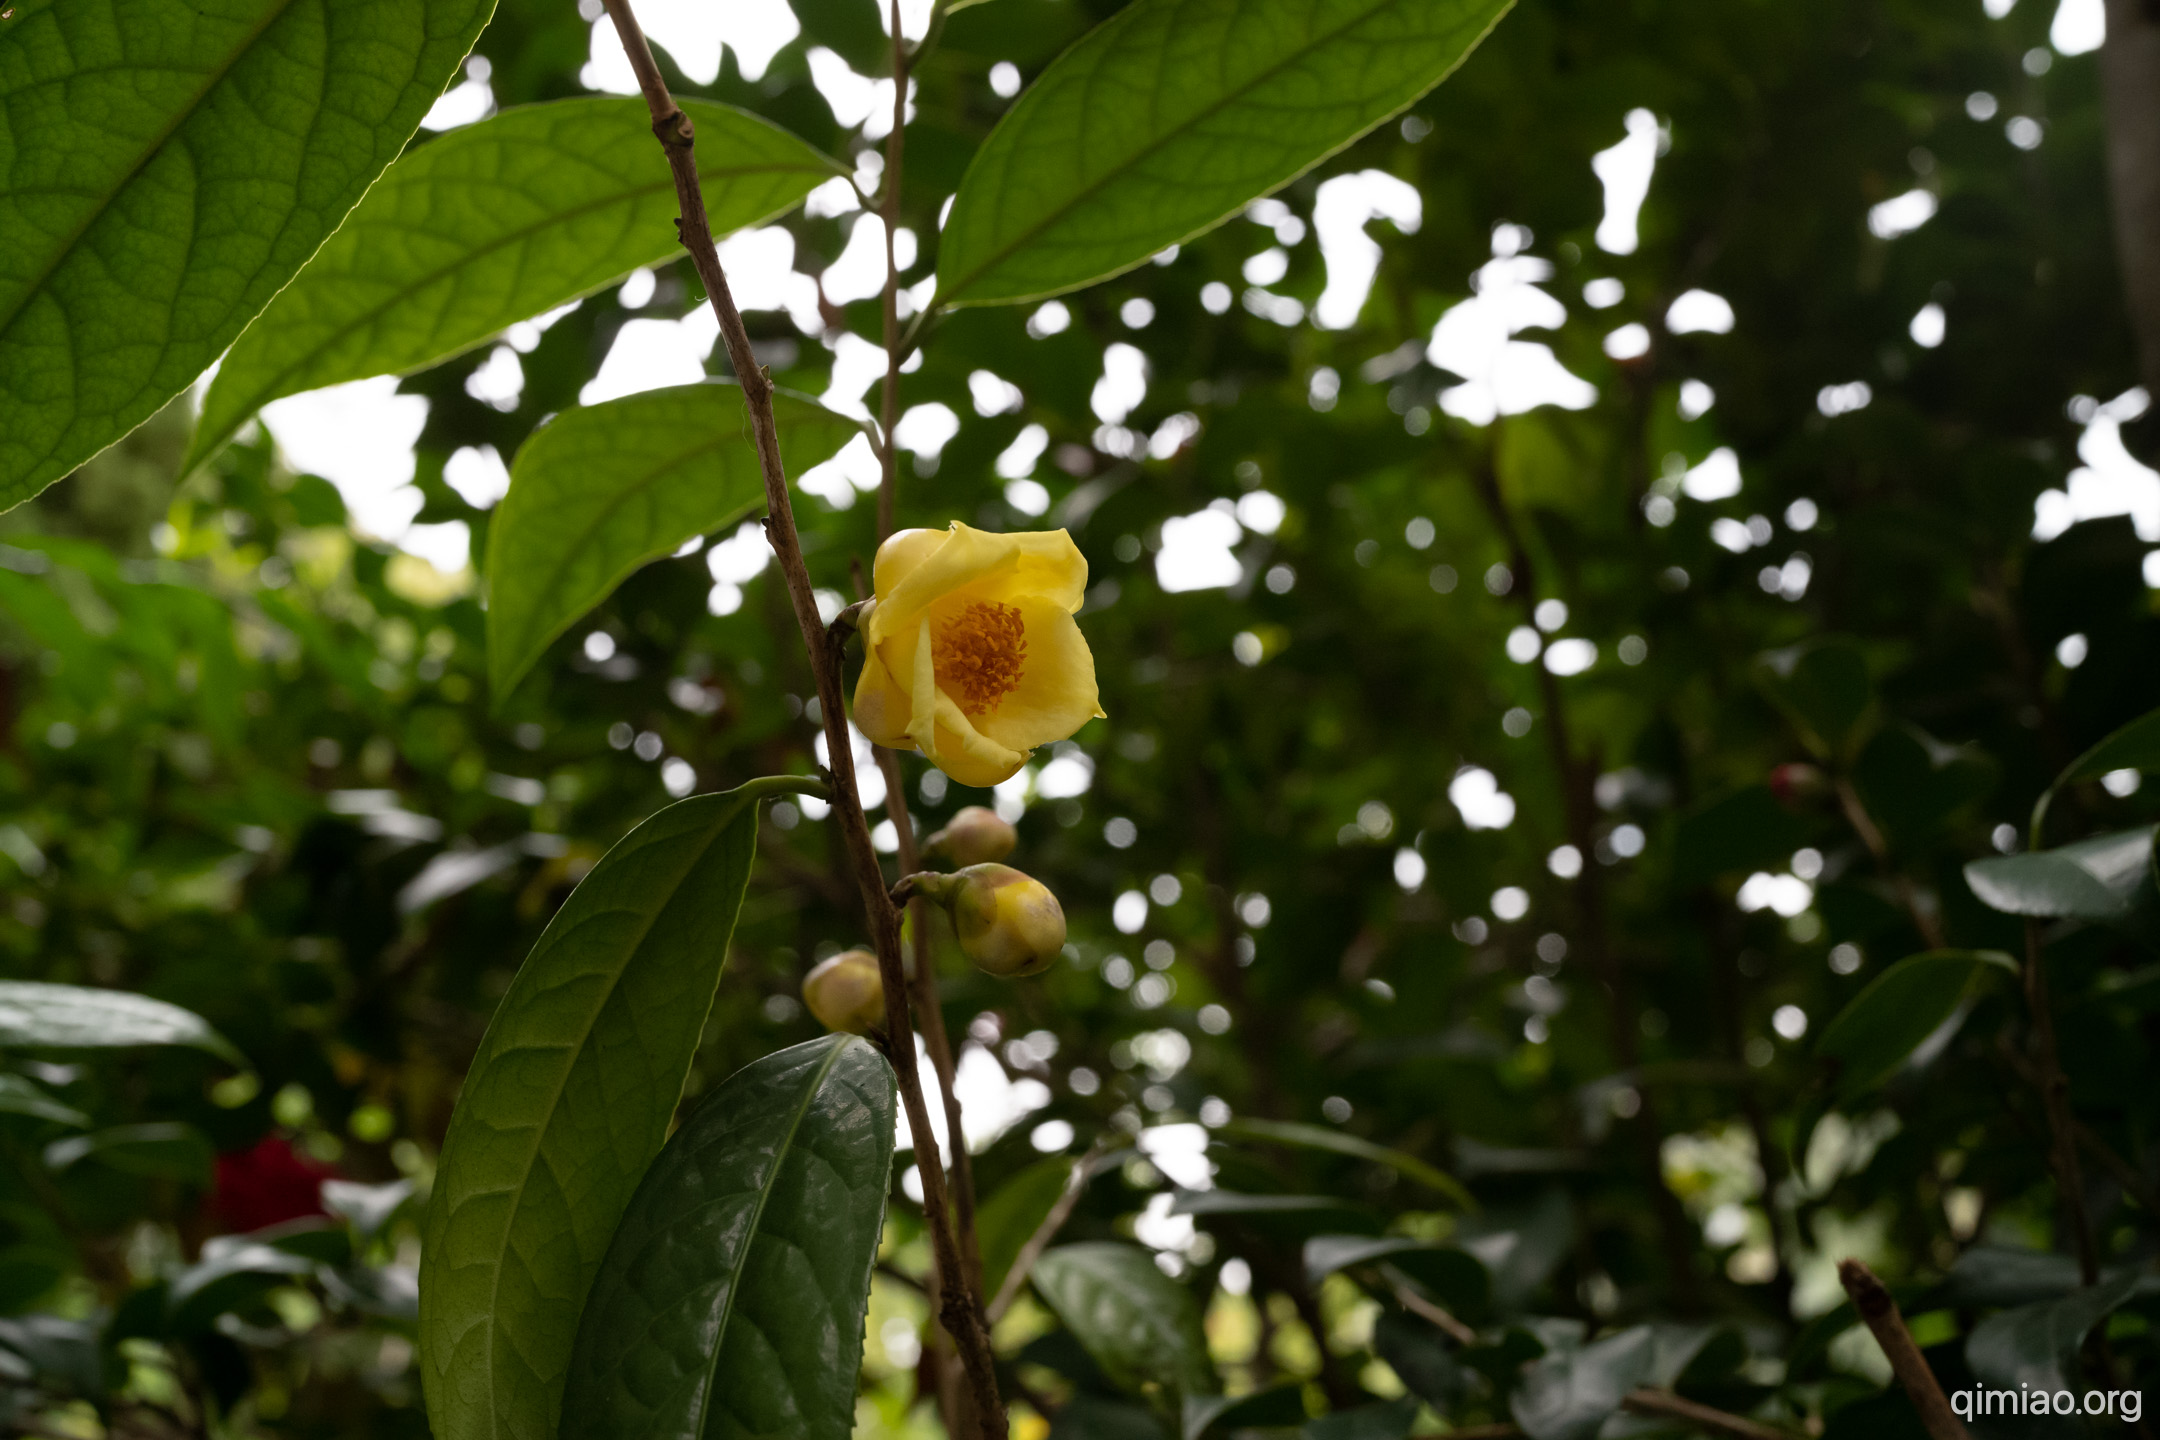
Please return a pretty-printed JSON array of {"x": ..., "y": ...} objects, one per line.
[
  {"x": 1667, "y": 1406},
  {"x": 924, "y": 987},
  {"x": 1578, "y": 786},
  {"x": 960, "y": 1308},
  {"x": 1024, "y": 1262},
  {"x": 2130, "y": 82},
  {"x": 1871, "y": 835},
  {"x": 2055, "y": 1096},
  {"x": 1880, "y": 1313}
]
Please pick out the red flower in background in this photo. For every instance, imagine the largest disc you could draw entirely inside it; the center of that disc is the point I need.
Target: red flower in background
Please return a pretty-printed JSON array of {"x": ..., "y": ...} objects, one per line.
[{"x": 268, "y": 1185}]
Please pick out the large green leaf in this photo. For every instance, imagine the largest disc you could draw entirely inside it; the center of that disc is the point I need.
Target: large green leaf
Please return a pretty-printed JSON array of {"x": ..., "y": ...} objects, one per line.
[
  {"x": 1009, "y": 1219},
  {"x": 2136, "y": 746},
  {"x": 566, "y": 1104},
  {"x": 1874, "y": 1035},
  {"x": 1172, "y": 115},
  {"x": 1569, "y": 1394},
  {"x": 1139, "y": 1325},
  {"x": 2034, "y": 1344},
  {"x": 491, "y": 224},
  {"x": 602, "y": 490},
  {"x": 2096, "y": 879},
  {"x": 1319, "y": 1137},
  {"x": 1455, "y": 1276},
  {"x": 169, "y": 165},
  {"x": 41, "y": 1016},
  {"x": 731, "y": 1302}
]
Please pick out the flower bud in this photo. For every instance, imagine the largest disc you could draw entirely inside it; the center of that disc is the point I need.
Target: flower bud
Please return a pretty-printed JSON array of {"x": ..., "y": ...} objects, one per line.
[
  {"x": 847, "y": 992},
  {"x": 975, "y": 836},
  {"x": 1795, "y": 784},
  {"x": 1008, "y": 923}
]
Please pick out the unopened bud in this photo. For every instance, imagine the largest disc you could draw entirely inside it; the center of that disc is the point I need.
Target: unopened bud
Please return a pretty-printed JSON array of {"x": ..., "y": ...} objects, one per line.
[
  {"x": 1008, "y": 923},
  {"x": 1797, "y": 782},
  {"x": 975, "y": 836},
  {"x": 847, "y": 992}
]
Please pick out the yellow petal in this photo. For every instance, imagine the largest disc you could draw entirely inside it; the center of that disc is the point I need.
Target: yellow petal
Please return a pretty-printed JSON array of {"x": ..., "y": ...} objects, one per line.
[
  {"x": 973, "y": 564},
  {"x": 902, "y": 551},
  {"x": 922, "y": 695},
  {"x": 968, "y": 755},
  {"x": 882, "y": 708},
  {"x": 1057, "y": 693}
]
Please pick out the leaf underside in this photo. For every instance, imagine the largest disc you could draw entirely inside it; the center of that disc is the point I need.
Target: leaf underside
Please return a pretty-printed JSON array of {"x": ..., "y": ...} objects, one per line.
[
  {"x": 489, "y": 225},
  {"x": 1174, "y": 114},
  {"x": 607, "y": 488},
  {"x": 731, "y": 1302},
  {"x": 165, "y": 167},
  {"x": 566, "y": 1104}
]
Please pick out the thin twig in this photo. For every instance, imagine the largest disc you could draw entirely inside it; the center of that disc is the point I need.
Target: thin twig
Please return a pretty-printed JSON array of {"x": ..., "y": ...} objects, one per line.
[
  {"x": 1024, "y": 1263},
  {"x": 2055, "y": 1097},
  {"x": 1906, "y": 1362},
  {"x": 960, "y": 1309},
  {"x": 1439, "y": 1315},
  {"x": 1667, "y": 1406}
]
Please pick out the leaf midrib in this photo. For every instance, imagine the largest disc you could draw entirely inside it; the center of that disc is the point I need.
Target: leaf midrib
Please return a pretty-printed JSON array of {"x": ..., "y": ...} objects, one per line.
[
  {"x": 180, "y": 117},
  {"x": 757, "y": 1220},
  {"x": 473, "y": 257},
  {"x": 555, "y": 1100},
  {"x": 1079, "y": 197}
]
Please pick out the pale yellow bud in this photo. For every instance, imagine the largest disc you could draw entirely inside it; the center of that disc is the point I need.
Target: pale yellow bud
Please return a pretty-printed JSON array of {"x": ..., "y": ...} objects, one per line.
[
  {"x": 1008, "y": 923},
  {"x": 975, "y": 836},
  {"x": 847, "y": 992}
]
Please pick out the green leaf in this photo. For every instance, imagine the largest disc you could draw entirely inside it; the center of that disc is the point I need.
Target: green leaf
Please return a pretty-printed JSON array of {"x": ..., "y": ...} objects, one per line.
[
  {"x": 232, "y": 1273},
  {"x": 1316, "y": 1137},
  {"x": 1004, "y": 1222},
  {"x": 493, "y": 223},
  {"x": 1877, "y": 1032},
  {"x": 1825, "y": 690},
  {"x": 1387, "y": 1420},
  {"x": 20, "y": 1096},
  {"x": 1169, "y": 117},
  {"x": 1139, "y": 1325},
  {"x": 602, "y": 490},
  {"x": 1745, "y": 830},
  {"x": 2136, "y": 746},
  {"x": 1453, "y": 1276},
  {"x": 731, "y": 1302},
  {"x": 565, "y": 1105},
  {"x": 2034, "y": 1344},
  {"x": 2096, "y": 879},
  {"x": 1423, "y": 1361},
  {"x": 1567, "y": 1396},
  {"x": 172, "y": 164},
  {"x": 1284, "y": 1405},
  {"x": 36, "y": 1015},
  {"x": 159, "y": 1149}
]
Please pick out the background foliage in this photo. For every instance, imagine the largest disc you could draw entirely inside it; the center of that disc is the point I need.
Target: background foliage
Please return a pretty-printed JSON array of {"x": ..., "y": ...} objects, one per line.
[{"x": 253, "y": 767}]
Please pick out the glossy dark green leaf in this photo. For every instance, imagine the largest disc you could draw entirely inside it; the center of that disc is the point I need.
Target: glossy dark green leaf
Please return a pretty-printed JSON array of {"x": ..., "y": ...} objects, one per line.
[
  {"x": 1262, "y": 1409},
  {"x": 565, "y": 1105},
  {"x": 1139, "y": 1325},
  {"x": 35, "y": 1015},
  {"x": 604, "y": 489},
  {"x": 732, "y": 1298},
  {"x": 156, "y": 1149},
  {"x": 1881, "y": 1027},
  {"x": 1169, "y": 117},
  {"x": 493, "y": 223},
  {"x": 1570, "y": 1394},
  {"x": 1424, "y": 1361},
  {"x": 1319, "y": 1137},
  {"x": 172, "y": 164},
  {"x": 2097, "y": 879},
  {"x": 2035, "y": 1344},
  {"x": 232, "y": 1272},
  {"x": 1449, "y": 1274}
]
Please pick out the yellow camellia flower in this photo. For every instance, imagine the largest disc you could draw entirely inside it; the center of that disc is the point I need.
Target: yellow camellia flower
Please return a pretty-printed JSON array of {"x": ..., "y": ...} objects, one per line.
[{"x": 971, "y": 652}]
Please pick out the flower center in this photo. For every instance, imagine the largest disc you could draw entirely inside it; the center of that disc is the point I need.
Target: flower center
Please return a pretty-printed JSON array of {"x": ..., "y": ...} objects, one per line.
[{"x": 979, "y": 655}]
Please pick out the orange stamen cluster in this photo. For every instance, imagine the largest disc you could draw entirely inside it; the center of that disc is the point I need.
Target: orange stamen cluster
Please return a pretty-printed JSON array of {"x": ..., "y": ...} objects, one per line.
[{"x": 979, "y": 655}]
